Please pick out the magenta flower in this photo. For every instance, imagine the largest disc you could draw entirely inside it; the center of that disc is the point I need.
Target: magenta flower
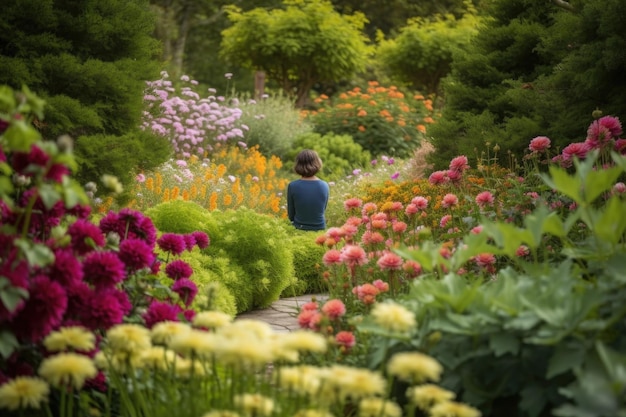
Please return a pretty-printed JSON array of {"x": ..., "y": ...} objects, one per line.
[
  {"x": 136, "y": 254},
  {"x": 202, "y": 239},
  {"x": 66, "y": 269},
  {"x": 438, "y": 177},
  {"x": 16, "y": 271},
  {"x": 186, "y": 290},
  {"x": 449, "y": 200},
  {"x": 389, "y": 261},
  {"x": 459, "y": 164},
  {"x": 484, "y": 199},
  {"x": 81, "y": 211},
  {"x": 178, "y": 269},
  {"x": 190, "y": 242},
  {"x": 172, "y": 243},
  {"x": 539, "y": 144},
  {"x": 420, "y": 202},
  {"x": 86, "y": 236},
  {"x": 160, "y": 311},
  {"x": 102, "y": 310},
  {"x": 395, "y": 175},
  {"x": 444, "y": 221},
  {"x": 454, "y": 176},
  {"x": 103, "y": 269},
  {"x": 578, "y": 149}
]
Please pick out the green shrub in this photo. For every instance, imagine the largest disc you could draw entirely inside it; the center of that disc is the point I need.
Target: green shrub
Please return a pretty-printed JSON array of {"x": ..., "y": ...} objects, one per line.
[
  {"x": 307, "y": 258},
  {"x": 340, "y": 153},
  {"x": 179, "y": 216}
]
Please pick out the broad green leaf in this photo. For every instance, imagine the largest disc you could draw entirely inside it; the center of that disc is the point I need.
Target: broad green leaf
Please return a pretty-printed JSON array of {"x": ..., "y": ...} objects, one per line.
[
  {"x": 564, "y": 183},
  {"x": 12, "y": 296},
  {"x": 8, "y": 343},
  {"x": 473, "y": 244},
  {"x": 503, "y": 343},
  {"x": 49, "y": 196},
  {"x": 36, "y": 254},
  {"x": 620, "y": 160},
  {"x": 566, "y": 357},
  {"x": 533, "y": 400},
  {"x": 508, "y": 236},
  {"x": 20, "y": 136},
  {"x": 598, "y": 182},
  {"x": 611, "y": 222}
]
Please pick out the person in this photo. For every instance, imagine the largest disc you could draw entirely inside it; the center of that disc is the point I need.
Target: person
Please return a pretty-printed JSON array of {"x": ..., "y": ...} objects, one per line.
[{"x": 307, "y": 197}]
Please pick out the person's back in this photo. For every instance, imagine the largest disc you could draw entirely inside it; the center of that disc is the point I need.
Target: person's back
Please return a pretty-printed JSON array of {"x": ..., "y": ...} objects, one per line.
[{"x": 307, "y": 197}]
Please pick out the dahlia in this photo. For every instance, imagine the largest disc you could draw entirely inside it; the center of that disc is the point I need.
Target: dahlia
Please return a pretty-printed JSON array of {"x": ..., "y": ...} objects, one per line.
[
  {"x": 172, "y": 243},
  {"x": 459, "y": 164},
  {"x": 161, "y": 311},
  {"x": 178, "y": 269},
  {"x": 449, "y": 200},
  {"x": 103, "y": 269},
  {"x": 190, "y": 241},
  {"x": 186, "y": 290},
  {"x": 352, "y": 203},
  {"x": 202, "y": 239},
  {"x": 389, "y": 261},
  {"x": 334, "y": 309},
  {"x": 332, "y": 257},
  {"x": 136, "y": 254},
  {"x": 345, "y": 339},
  {"x": 420, "y": 202},
  {"x": 484, "y": 199},
  {"x": 539, "y": 144},
  {"x": 102, "y": 310},
  {"x": 438, "y": 177},
  {"x": 353, "y": 255}
]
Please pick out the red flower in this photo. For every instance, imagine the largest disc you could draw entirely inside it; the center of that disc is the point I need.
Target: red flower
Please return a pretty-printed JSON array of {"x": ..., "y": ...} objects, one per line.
[
  {"x": 178, "y": 269},
  {"x": 186, "y": 290},
  {"x": 345, "y": 339},
  {"x": 389, "y": 261},
  {"x": 539, "y": 144},
  {"x": 172, "y": 243},
  {"x": 160, "y": 311},
  {"x": 334, "y": 309}
]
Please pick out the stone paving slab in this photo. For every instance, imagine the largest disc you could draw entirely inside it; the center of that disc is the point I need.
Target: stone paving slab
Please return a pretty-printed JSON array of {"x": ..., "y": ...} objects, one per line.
[{"x": 282, "y": 314}]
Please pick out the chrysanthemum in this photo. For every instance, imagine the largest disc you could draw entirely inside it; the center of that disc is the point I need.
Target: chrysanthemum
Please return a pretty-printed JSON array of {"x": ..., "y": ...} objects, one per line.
[
  {"x": 334, "y": 309},
  {"x": 254, "y": 404},
  {"x": 453, "y": 409},
  {"x": 303, "y": 379},
  {"x": 449, "y": 200},
  {"x": 459, "y": 163},
  {"x": 399, "y": 227},
  {"x": 305, "y": 317},
  {"x": 445, "y": 220},
  {"x": 332, "y": 257},
  {"x": 23, "y": 392},
  {"x": 156, "y": 357},
  {"x": 102, "y": 309},
  {"x": 346, "y": 339},
  {"x": 304, "y": 341},
  {"x": 178, "y": 269},
  {"x": 188, "y": 368},
  {"x": 393, "y": 317},
  {"x": 369, "y": 208},
  {"x": 211, "y": 319},
  {"x": 426, "y": 395},
  {"x": 202, "y": 239},
  {"x": 366, "y": 293},
  {"x": 389, "y": 261},
  {"x": 86, "y": 236},
  {"x": 129, "y": 338},
  {"x": 352, "y": 203},
  {"x": 378, "y": 407},
  {"x": 186, "y": 290},
  {"x": 136, "y": 254},
  {"x": 66, "y": 268},
  {"x": 159, "y": 311},
  {"x": 370, "y": 237},
  {"x": 67, "y": 369},
  {"x": 164, "y": 331},
  {"x": 381, "y": 285},
  {"x": 312, "y": 413},
  {"x": 353, "y": 255},
  {"x": 485, "y": 259},
  {"x": 349, "y": 382},
  {"x": 484, "y": 199},
  {"x": 577, "y": 149},
  {"x": 412, "y": 268},
  {"x": 414, "y": 367},
  {"x": 172, "y": 243},
  {"x": 103, "y": 269},
  {"x": 438, "y": 177},
  {"x": 71, "y": 337},
  {"x": 196, "y": 342},
  {"x": 190, "y": 241}
]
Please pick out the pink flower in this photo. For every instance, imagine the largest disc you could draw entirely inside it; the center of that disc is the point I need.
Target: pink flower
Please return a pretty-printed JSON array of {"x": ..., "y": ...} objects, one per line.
[
  {"x": 539, "y": 144},
  {"x": 186, "y": 290},
  {"x": 349, "y": 230},
  {"x": 411, "y": 209},
  {"x": 454, "y": 176},
  {"x": 578, "y": 149},
  {"x": 412, "y": 268},
  {"x": 136, "y": 254},
  {"x": 336, "y": 233},
  {"x": 619, "y": 188},
  {"x": 620, "y": 146},
  {"x": 160, "y": 311},
  {"x": 172, "y": 243},
  {"x": 459, "y": 164},
  {"x": 103, "y": 269},
  {"x": 522, "y": 251},
  {"x": 485, "y": 259},
  {"x": 420, "y": 202},
  {"x": 366, "y": 293},
  {"x": 352, "y": 203},
  {"x": 140, "y": 178},
  {"x": 476, "y": 229},
  {"x": 370, "y": 237},
  {"x": 399, "y": 227},
  {"x": 381, "y": 285},
  {"x": 345, "y": 339},
  {"x": 389, "y": 261},
  {"x": 305, "y": 317},
  {"x": 438, "y": 177},
  {"x": 444, "y": 221},
  {"x": 369, "y": 208},
  {"x": 484, "y": 199},
  {"x": 86, "y": 236},
  {"x": 611, "y": 123},
  {"x": 66, "y": 269},
  {"x": 353, "y": 255},
  {"x": 395, "y": 175},
  {"x": 202, "y": 239},
  {"x": 332, "y": 257},
  {"x": 178, "y": 269},
  {"x": 449, "y": 200},
  {"x": 311, "y": 305},
  {"x": 334, "y": 309}
]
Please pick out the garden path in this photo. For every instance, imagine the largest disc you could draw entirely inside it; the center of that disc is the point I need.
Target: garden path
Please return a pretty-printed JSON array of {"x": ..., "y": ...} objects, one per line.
[{"x": 282, "y": 314}]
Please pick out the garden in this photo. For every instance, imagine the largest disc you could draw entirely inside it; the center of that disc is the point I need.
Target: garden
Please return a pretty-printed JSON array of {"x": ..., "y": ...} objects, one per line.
[{"x": 467, "y": 278}]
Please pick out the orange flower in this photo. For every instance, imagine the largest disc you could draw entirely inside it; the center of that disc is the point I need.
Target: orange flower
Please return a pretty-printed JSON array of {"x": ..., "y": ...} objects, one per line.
[
  {"x": 361, "y": 113},
  {"x": 421, "y": 128},
  {"x": 361, "y": 128}
]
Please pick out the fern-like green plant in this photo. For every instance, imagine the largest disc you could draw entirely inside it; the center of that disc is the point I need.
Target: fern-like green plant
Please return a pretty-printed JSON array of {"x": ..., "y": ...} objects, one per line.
[{"x": 307, "y": 258}]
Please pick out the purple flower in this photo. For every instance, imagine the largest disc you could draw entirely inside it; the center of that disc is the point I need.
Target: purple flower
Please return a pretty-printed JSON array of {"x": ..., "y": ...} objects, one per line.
[
  {"x": 160, "y": 311},
  {"x": 172, "y": 243},
  {"x": 395, "y": 175},
  {"x": 129, "y": 224},
  {"x": 85, "y": 236},
  {"x": 190, "y": 241},
  {"x": 202, "y": 239},
  {"x": 186, "y": 290},
  {"x": 178, "y": 269},
  {"x": 66, "y": 268},
  {"x": 103, "y": 269},
  {"x": 81, "y": 211},
  {"x": 102, "y": 310},
  {"x": 136, "y": 254}
]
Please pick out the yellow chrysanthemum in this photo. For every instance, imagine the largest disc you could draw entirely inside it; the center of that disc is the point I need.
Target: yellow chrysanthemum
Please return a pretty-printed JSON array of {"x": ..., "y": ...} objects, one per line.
[
  {"x": 196, "y": 342},
  {"x": 163, "y": 332},
  {"x": 300, "y": 379},
  {"x": 72, "y": 337},
  {"x": 427, "y": 395},
  {"x": 67, "y": 369},
  {"x": 128, "y": 338},
  {"x": 313, "y": 413},
  {"x": 305, "y": 341},
  {"x": 211, "y": 319},
  {"x": 187, "y": 368},
  {"x": 256, "y": 328},
  {"x": 157, "y": 357},
  {"x": 23, "y": 392},
  {"x": 453, "y": 409},
  {"x": 344, "y": 382},
  {"x": 119, "y": 361},
  {"x": 221, "y": 413},
  {"x": 378, "y": 407},
  {"x": 246, "y": 350},
  {"x": 254, "y": 404},
  {"x": 393, "y": 317},
  {"x": 414, "y": 367}
]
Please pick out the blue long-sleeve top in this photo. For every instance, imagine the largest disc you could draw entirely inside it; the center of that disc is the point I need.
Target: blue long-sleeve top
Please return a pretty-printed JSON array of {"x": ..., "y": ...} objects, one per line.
[{"x": 306, "y": 203}]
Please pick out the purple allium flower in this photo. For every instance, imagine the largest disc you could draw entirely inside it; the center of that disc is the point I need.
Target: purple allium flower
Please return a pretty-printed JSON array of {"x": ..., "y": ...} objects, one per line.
[
  {"x": 160, "y": 311},
  {"x": 103, "y": 269},
  {"x": 85, "y": 236},
  {"x": 136, "y": 254},
  {"x": 202, "y": 239},
  {"x": 102, "y": 310},
  {"x": 190, "y": 241},
  {"x": 186, "y": 290},
  {"x": 43, "y": 310},
  {"x": 172, "y": 243},
  {"x": 178, "y": 269},
  {"x": 66, "y": 269}
]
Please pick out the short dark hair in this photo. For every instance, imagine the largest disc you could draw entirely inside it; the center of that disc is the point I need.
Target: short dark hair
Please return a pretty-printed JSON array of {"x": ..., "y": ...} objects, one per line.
[{"x": 308, "y": 163}]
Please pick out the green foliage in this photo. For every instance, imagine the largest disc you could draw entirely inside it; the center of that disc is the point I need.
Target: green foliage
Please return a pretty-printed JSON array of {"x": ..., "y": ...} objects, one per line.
[
  {"x": 179, "y": 216},
  {"x": 273, "y": 124},
  {"x": 339, "y": 153},
  {"x": 421, "y": 55},
  {"x": 307, "y": 256},
  {"x": 305, "y": 43}
]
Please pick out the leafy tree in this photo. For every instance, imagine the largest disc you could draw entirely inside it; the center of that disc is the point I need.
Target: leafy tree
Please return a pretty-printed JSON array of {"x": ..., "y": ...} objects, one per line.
[
  {"x": 305, "y": 43},
  {"x": 535, "y": 69},
  {"x": 88, "y": 60},
  {"x": 421, "y": 55}
]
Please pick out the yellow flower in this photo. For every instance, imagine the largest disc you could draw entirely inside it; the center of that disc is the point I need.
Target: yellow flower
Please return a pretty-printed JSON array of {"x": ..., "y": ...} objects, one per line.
[
  {"x": 427, "y": 395},
  {"x": 254, "y": 404},
  {"x": 304, "y": 341},
  {"x": 211, "y": 319},
  {"x": 128, "y": 338},
  {"x": 414, "y": 367},
  {"x": 246, "y": 350},
  {"x": 453, "y": 409},
  {"x": 221, "y": 413},
  {"x": 163, "y": 332},
  {"x": 112, "y": 183},
  {"x": 255, "y": 328},
  {"x": 378, "y": 407},
  {"x": 301, "y": 379},
  {"x": 393, "y": 317},
  {"x": 67, "y": 369},
  {"x": 23, "y": 392},
  {"x": 120, "y": 361},
  {"x": 72, "y": 337},
  {"x": 344, "y": 382},
  {"x": 196, "y": 342},
  {"x": 313, "y": 413},
  {"x": 186, "y": 368},
  {"x": 157, "y": 357}
]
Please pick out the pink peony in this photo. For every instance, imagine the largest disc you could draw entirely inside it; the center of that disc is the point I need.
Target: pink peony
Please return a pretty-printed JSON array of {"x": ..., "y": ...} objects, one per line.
[
  {"x": 353, "y": 255},
  {"x": 332, "y": 257},
  {"x": 438, "y": 177},
  {"x": 611, "y": 123},
  {"x": 345, "y": 339},
  {"x": 334, "y": 309},
  {"x": 172, "y": 243},
  {"x": 484, "y": 199},
  {"x": 459, "y": 164},
  {"x": 186, "y": 290},
  {"x": 161, "y": 311},
  {"x": 352, "y": 203},
  {"x": 103, "y": 269},
  {"x": 178, "y": 269},
  {"x": 389, "y": 261},
  {"x": 449, "y": 201},
  {"x": 539, "y": 144}
]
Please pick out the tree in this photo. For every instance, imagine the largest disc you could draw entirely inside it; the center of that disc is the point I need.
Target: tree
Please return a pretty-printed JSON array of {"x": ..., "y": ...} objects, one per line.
[
  {"x": 306, "y": 43},
  {"x": 89, "y": 61},
  {"x": 421, "y": 55}
]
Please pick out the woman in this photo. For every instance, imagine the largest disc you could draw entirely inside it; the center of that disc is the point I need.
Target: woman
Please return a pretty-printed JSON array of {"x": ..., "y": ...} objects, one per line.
[{"x": 307, "y": 197}]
